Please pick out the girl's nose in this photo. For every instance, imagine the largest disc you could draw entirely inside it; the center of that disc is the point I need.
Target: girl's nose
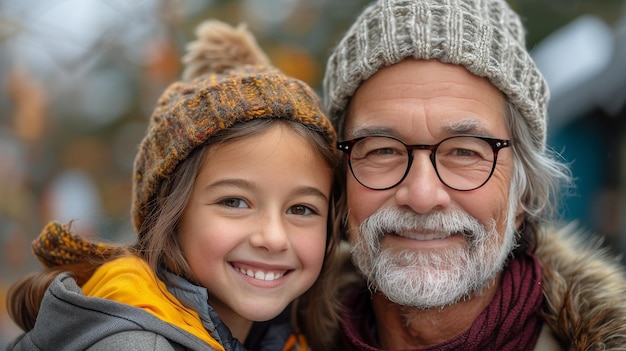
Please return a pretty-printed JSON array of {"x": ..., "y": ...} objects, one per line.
[{"x": 272, "y": 234}]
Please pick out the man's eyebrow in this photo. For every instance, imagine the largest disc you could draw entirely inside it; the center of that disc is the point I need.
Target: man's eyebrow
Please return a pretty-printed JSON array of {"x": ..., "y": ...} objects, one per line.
[
  {"x": 466, "y": 126},
  {"x": 366, "y": 131}
]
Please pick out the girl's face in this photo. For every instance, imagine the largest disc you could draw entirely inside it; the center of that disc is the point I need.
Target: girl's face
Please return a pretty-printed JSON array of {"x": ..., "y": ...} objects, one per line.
[{"x": 254, "y": 230}]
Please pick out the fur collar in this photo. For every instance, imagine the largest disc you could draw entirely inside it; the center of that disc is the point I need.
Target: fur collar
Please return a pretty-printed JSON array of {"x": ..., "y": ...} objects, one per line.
[{"x": 585, "y": 290}]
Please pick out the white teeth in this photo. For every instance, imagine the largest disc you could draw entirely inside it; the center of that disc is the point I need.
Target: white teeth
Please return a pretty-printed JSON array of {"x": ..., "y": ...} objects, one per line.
[
  {"x": 260, "y": 275},
  {"x": 432, "y": 236}
]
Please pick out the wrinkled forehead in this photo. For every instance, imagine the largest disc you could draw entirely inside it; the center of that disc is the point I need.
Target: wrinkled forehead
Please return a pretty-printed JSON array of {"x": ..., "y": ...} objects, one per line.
[{"x": 414, "y": 96}]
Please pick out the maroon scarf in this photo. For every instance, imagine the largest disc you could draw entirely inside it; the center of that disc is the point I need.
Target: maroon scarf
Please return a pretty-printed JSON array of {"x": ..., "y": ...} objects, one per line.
[{"x": 510, "y": 322}]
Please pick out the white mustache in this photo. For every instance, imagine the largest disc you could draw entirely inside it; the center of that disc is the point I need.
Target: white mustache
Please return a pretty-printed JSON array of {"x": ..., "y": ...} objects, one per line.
[{"x": 395, "y": 221}]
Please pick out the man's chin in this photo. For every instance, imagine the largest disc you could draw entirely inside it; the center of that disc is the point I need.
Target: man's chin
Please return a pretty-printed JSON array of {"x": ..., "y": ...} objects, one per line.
[
  {"x": 426, "y": 299},
  {"x": 426, "y": 288}
]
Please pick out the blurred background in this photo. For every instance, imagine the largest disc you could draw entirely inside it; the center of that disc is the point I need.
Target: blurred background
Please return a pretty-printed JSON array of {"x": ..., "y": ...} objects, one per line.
[{"x": 79, "y": 79}]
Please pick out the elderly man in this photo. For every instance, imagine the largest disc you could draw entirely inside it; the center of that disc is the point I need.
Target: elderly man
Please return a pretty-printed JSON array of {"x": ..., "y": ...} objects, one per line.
[{"x": 451, "y": 190}]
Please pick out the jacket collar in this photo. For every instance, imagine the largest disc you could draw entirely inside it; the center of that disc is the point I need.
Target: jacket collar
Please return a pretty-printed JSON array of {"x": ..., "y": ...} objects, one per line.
[
  {"x": 585, "y": 290},
  {"x": 196, "y": 298}
]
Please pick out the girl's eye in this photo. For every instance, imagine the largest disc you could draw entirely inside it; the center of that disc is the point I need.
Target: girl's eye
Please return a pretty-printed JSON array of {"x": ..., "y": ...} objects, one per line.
[
  {"x": 301, "y": 210},
  {"x": 234, "y": 202}
]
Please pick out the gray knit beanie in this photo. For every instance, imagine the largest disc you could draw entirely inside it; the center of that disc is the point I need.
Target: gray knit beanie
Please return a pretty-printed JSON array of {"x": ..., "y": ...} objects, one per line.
[{"x": 484, "y": 36}]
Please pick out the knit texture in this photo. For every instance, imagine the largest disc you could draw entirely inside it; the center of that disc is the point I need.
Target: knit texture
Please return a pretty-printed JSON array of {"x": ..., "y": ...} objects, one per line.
[
  {"x": 484, "y": 36},
  {"x": 189, "y": 112},
  {"x": 57, "y": 246}
]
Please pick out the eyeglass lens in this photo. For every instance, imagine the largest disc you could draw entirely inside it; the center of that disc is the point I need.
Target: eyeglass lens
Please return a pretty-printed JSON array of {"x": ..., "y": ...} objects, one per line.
[{"x": 462, "y": 163}]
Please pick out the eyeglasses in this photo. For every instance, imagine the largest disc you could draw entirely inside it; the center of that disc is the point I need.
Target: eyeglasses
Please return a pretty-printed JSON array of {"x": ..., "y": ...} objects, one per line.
[{"x": 464, "y": 162}]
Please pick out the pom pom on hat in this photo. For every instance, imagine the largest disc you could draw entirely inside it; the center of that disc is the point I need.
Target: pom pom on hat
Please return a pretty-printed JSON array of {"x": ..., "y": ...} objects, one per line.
[
  {"x": 221, "y": 47},
  {"x": 228, "y": 79}
]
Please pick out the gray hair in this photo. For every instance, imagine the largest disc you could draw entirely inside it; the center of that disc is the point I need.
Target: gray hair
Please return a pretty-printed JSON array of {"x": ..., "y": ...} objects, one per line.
[{"x": 539, "y": 174}]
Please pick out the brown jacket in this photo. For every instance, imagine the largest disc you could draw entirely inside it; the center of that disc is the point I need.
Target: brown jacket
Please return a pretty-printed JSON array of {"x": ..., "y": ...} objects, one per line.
[{"x": 585, "y": 290}]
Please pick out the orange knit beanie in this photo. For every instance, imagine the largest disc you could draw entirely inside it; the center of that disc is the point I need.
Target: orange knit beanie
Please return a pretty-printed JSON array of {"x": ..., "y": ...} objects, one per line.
[{"x": 227, "y": 80}]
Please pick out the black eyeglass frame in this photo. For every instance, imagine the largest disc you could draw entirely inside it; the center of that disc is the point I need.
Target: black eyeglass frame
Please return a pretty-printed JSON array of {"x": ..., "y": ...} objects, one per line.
[{"x": 496, "y": 145}]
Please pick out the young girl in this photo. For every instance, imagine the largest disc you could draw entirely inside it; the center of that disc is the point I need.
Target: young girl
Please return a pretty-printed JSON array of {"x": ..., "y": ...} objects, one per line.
[{"x": 233, "y": 209}]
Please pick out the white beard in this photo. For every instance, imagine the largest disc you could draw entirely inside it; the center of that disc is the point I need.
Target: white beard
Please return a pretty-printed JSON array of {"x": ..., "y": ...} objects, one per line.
[{"x": 423, "y": 279}]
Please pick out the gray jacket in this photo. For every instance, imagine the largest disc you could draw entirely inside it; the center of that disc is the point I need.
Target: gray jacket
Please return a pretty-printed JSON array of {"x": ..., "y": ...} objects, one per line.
[{"x": 69, "y": 320}]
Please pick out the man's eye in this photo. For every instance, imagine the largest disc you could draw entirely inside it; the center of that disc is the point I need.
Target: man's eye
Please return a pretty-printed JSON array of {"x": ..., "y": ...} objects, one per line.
[
  {"x": 234, "y": 202},
  {"x": 301, "y": 210},
  {"x": 464, "y": 153},
  {"x": 385, "y": 151}
]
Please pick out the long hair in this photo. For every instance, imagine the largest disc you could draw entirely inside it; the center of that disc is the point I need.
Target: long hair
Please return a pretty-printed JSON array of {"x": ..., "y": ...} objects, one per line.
[
  {"x": 158, "y": 242},
  {"x": 25, "y": 295},
  {"x": 541, "y": 178},
  {"x": 312, "y": 313}
]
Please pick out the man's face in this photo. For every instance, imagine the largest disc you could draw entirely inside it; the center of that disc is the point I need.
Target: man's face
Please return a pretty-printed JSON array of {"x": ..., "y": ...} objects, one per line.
[{"x": 422, "y": 243}]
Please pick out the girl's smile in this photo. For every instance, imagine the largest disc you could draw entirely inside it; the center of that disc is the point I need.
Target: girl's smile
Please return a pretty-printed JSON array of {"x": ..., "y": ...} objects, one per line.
[{"x": 254, "y": 230}]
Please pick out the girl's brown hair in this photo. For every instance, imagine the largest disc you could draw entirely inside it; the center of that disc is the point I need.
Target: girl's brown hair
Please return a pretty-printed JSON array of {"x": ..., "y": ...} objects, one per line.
[{"x": 160, "y": 247}]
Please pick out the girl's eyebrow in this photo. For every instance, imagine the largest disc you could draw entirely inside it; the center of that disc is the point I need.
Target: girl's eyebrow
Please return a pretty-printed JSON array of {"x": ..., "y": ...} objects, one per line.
[
  {"x": 231, "y": 182},
  {"x": 244, "y": 184},
  {"x": 310, "y": 190}
]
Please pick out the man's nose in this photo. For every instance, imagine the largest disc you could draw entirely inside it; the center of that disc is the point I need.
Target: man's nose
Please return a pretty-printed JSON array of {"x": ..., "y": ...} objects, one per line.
[{"x": 421, "y": 190}]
